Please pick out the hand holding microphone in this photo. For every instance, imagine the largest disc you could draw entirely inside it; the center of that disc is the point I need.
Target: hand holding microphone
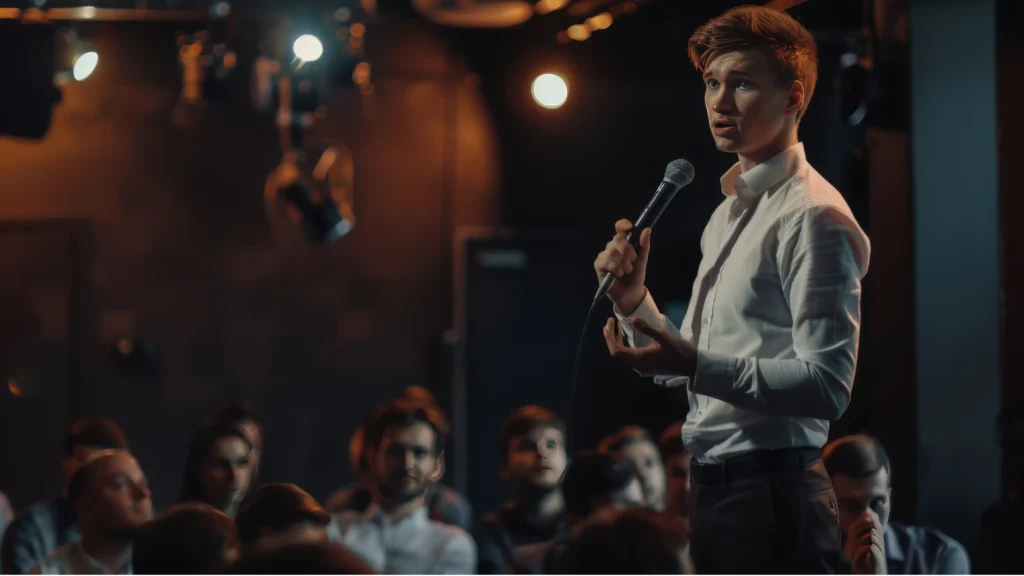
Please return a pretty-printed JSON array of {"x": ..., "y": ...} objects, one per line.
[
  {"x": 622, "y": 265},
  {"x": 627, "y": 265}
]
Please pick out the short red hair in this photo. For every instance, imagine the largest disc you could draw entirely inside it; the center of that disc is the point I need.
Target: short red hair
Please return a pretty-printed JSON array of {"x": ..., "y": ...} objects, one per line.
[{"x": 790, "y": 48}]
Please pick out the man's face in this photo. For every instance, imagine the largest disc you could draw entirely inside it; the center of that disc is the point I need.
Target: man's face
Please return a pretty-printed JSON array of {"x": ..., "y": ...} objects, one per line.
[
  {"x": 647, "y": 460},
  {"x": 860, "y": 496},
  {"x": 406, "y": 464},
  {"x": 753, "y": 110},
  {"x": 116, "y": 498},
  {"x": 677, "y": 476},
  {"x": 631, "y": 496},
  {"x": 80, "y": 454},
  {"x": 537, "y": 459},
  {"x": 227, "y": 472}
]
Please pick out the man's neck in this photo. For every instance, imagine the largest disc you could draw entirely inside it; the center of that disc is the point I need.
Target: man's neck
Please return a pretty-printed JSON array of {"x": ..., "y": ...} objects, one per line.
[
  {"x": 542, "y": 508},
  {"x": 112, "y": 553},
  {"x": 783, "y": 143},
  {"x": 395, "y": 512}
]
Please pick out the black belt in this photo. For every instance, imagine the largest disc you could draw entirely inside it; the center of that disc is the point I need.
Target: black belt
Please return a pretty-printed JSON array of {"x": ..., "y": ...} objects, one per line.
[{"x": 752, "y": 464}]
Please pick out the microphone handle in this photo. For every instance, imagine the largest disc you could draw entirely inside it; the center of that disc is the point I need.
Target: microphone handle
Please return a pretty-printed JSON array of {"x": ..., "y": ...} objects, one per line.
[{"x": 666, "y": 191}]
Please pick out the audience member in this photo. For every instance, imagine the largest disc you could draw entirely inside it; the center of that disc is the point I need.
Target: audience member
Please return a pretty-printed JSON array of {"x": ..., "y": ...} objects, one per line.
[
  {"x": 533, "y": 460},
  {"x": 677, "y": 470},
  {"x": 240, "y": 415},
  {"x": 111, "y": 500},
  {"x": 278, "y": 514},
  {"x": 595, "y": 482},
  {"x": 6, "y": 514},
  {"x": 395, "y": 535},
  {"x": 633, "y": 443},
  {"x": 443, "y": 503},
  {"x": 1002, "y": 525},
  {"x": 861, "y": 476},
  {"x": 302, "y": 558},
  {"x": 638, "y": 541},
  {"x": 50, "y": 525},
  {"x": 191, "y": 538},
  {"x": 218, "y": 469}
]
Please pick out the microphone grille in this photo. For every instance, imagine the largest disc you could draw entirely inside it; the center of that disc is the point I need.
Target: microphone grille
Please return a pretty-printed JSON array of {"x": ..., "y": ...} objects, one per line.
[{"x": 679, "y": 172}]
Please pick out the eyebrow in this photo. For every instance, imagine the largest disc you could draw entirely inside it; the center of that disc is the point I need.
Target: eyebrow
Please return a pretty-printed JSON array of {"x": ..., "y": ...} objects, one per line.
[{"x": 742, "y": 73}]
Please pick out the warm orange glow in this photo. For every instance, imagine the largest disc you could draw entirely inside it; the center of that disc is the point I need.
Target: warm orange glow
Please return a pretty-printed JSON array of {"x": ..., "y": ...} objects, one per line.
[
  {"x": 358, "y": 30},
  {"x": 579, "y": 32},
  {"x": 361, "y": 75},
  {"x": 14, "y": 388},
  {"x": 601, "y": 21},
  {"x": 546, "y": 6}
]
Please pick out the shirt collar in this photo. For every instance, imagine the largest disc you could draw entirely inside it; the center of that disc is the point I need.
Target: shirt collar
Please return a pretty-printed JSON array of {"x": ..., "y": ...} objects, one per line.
[
  {"x": 96, "y": 565},
  {"x": 893, "y": 550},
  {"x": 377, "y": 514},
  {"x": 750, "y": 184}
]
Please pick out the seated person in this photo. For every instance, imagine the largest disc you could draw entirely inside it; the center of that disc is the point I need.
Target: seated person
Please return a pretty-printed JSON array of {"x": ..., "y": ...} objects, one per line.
[
  {"x": 191, "y": 538},
  {"x": 219, "y": 466},
  {"x": 633, "y": 443},
  {"x": 301, "y": 558},
  {"x": 594, "y": 482},
  {"x": 637, "y": 541},
  {"x": 444, "y": 503},
  {"x": 395, "y": 535},
  {"x": 51, "y": 524},
  {"x": 533, "y": 460},
  {"x": 112, "y": 503},
  {"x": 1002, "y": 525},
  {"x": 277, "y": 514},
  {"x": 861, "y": 476},
  {"x": 677, "y": 470}
]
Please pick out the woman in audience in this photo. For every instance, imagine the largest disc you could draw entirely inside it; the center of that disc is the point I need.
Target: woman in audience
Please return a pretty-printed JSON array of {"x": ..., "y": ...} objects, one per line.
[{"x": 219, "y": 467}]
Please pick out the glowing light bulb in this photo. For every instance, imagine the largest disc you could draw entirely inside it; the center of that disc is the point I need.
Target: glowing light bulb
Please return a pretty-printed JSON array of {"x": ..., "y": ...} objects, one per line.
[
  {"x": 85, "y": 65},
  {"x": 550, "y": 91},
  {"x": 308, "y": 48}
]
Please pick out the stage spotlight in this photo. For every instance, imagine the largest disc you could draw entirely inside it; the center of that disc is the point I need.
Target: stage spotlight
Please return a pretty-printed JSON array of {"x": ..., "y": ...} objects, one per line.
[
  {"x": 550, "y": 91},
  {"x": 79, "y": 58},
  {"x": 315, "y": 196},
  {"x": 85, "y": 64},
  {"x": 308, "y": 48}
]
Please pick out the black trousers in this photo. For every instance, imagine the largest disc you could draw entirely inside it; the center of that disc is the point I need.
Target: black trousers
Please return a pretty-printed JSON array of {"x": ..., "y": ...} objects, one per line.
[{"x": 783, "y": 521}]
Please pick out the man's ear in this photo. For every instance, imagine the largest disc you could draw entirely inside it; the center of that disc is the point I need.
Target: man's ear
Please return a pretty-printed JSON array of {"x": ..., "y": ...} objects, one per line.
[
  {"x": 438, "y": 469},
  {"x": 797, "y": 94}
]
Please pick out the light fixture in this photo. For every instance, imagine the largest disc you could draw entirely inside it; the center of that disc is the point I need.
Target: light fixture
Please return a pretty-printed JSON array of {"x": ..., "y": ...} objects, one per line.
[
  {"x": 79, "y": 58},
  {"x": 308, "y": 48},
  {"x": 313, "y": 192},
  {"x": 550, "y": 91}
]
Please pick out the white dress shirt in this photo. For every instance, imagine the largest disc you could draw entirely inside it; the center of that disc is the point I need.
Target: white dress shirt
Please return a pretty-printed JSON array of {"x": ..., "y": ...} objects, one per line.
[
  {"x": 414, "y": 545},
  {"x": 774, "y": 313},
  {"x": 73, "y": 559}
]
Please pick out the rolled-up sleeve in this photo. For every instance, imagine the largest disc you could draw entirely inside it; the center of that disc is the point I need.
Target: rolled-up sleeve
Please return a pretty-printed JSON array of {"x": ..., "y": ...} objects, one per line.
[{"x": 822, "y": 257}]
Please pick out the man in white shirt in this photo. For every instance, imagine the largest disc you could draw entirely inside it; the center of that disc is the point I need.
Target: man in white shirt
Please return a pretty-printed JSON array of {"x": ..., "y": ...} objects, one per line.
[
  {"x": 112, "y": 502},
  {"x": 395, "y": 535},
  {"x": 768, "y": 346}
]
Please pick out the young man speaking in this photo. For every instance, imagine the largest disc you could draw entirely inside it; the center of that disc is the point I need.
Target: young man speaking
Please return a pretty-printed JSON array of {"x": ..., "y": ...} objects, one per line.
[{"x": 768, "y": 346}]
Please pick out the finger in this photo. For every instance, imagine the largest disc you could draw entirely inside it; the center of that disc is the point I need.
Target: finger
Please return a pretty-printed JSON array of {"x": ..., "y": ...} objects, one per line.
[
  {"x": 606, "y": 265},
  {"x": 659, "y": 334},
  {"x": 620, "y": 245},
  {"x": 611, "y": 337},
  {"x": 645, "y": 246},
  {"x": 623, "y": 226}
]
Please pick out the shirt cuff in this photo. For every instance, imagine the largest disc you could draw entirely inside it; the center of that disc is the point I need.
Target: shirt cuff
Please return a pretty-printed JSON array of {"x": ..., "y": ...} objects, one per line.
[
  {"x": 648, "y": 311},
  {"x": 715, "y": 375}
]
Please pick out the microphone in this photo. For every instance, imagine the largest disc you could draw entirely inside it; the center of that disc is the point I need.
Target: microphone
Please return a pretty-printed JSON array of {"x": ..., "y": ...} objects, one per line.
[{"x": 678, "y": 173}]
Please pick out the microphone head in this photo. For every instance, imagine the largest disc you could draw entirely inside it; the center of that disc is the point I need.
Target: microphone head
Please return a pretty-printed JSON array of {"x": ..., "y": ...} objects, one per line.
[{"x": 679, "y": 172}]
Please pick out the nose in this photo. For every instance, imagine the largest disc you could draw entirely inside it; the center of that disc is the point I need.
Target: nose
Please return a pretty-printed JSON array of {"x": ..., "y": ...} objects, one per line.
[
  {"x": 142, "y": 492},
  {"x": 232, "y": 476},
  {"x": 410, "y": 460},
  {"x": 722, "y": 101}
]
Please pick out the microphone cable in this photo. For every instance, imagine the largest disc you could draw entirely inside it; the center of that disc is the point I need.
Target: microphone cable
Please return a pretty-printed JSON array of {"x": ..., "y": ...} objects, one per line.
[{"x": 570, "y": 441}]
